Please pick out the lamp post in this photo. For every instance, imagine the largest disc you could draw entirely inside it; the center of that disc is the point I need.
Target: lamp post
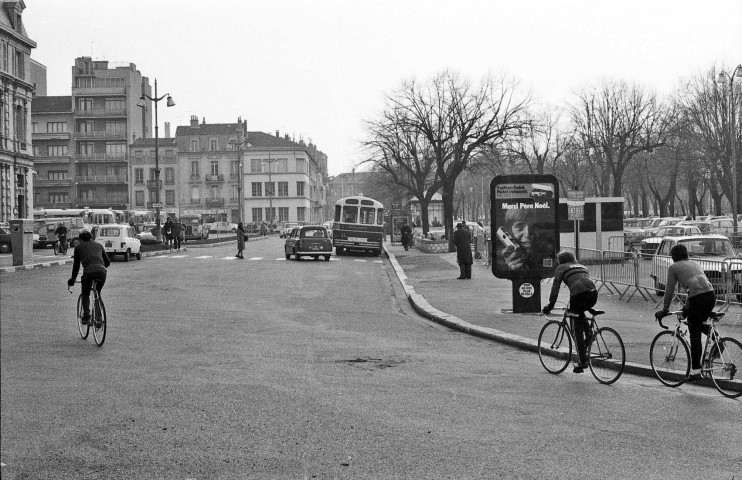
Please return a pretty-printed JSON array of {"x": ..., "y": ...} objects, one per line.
[
  {"x": 270, "y": 161},
  {"x": 238, "y": 146},
  {"x": 170, "y": 103},
  {"x": 722, "y": 80}
]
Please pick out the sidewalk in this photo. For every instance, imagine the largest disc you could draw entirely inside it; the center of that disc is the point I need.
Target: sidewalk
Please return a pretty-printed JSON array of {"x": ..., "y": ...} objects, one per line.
[{"x": 482, "y": 306}]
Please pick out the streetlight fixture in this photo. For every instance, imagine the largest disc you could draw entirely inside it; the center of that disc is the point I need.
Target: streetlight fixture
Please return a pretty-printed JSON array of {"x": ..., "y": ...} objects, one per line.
[
  {"x": 723, "y": 79},
  {"x": 238, "y": 145},
  {"x": 170, "y": 103}
]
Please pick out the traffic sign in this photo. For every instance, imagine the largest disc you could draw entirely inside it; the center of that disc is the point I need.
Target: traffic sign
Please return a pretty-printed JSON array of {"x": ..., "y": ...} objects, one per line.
[{"x": 157, "y": 205}]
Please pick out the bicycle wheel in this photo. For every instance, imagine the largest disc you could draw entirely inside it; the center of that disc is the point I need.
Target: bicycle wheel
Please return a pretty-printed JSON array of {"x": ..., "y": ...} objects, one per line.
[
  {"x": 99, "y": 320},
  {"x": 56, "y": 248},
  {"x": 669, "y": 356},
  {"x": 606, "y": 355},
  {"x": 726, "y": 366},
  {"x": 554, "y": 347},
  {"x": 84, "y": 329}
]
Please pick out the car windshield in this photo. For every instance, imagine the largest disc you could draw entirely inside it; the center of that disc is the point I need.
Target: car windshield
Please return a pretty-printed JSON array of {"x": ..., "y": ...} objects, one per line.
[
  {"x": 314, "y": 233},
  {"x": 709, "y": 246},
  {"x": 109, "y": 232}
]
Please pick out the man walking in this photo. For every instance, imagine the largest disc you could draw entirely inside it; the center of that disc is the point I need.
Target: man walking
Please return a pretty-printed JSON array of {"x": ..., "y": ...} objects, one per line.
[{"x": 462, "y": 242}]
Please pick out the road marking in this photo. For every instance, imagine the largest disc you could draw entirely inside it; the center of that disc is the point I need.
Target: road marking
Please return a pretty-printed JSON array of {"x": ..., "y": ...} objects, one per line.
[
  {"x": 359, "y": 260},
  {"x": 178, "y": 256},
  {"x": 255, "y": 258},
  {"x": 205, "y": 256},
  {"x": 378, "y": 261},
  {"x": 280, "y": 259},
  {"x": 229, "y": 258}
]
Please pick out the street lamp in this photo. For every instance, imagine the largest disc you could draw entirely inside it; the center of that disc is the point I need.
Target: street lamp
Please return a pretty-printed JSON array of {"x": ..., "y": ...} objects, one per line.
[
  {"x": 170, "y": 103},
  {"x": 238, "y": 146},
  {"x": 722, "y": 80}
]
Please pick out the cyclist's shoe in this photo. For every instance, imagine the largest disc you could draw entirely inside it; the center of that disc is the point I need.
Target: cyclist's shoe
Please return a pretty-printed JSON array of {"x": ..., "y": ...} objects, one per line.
[
  {"x": 695, "y": 374},
  {"x": 85, "y": 319},
  {"x": 579, "y": 368}
]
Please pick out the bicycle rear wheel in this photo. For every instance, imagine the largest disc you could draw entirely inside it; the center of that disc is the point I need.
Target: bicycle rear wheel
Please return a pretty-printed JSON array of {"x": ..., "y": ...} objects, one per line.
[
  {"x": 606, "y": 356},
  {"x": 99, "y": 320},
  {"x": 83, "y": 329},
  {"x": 669, "y": 356},
  {"x": 726, "y": 366},
  {"x": 56, "y": 248},
  {"x": 554, "y": 347}
]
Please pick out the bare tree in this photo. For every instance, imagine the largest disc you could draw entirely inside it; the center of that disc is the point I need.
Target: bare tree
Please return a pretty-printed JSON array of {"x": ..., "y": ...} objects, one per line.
[
  {"x": 618, "y": 122},
  {"x": 540, "y": 144},
  {"x": 459, "y": 119}
]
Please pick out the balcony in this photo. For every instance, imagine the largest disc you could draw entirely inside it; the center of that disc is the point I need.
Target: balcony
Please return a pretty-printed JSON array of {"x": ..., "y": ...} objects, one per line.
[
  {"x": 104, "y": 201},
  {"x": 214, "y": 202},
  {"x": 101, "y": 112},
  {"x": 77, "y": 91},
  {"x": 38, "y": 136},
  {"x": 101, "y": 179},
  {"x": 101, "y": 135},
  {"x": 194, "y": 180},
  {"x": 154, "y": 183},
  {"x": 45, "y": 182},
  {"x": 214, "y": 179},
  {"x": 58, "y": 159},
  {"x": 100, "y": 157},
  {"x": 193, "y": 202}
]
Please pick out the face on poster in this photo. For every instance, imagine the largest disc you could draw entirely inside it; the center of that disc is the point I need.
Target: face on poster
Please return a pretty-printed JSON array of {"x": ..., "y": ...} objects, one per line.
[{"x": 525, "y": 227}]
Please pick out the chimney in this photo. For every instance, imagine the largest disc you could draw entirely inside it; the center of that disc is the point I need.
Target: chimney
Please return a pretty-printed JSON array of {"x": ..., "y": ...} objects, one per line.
[
  {"x": 203, "y": 121},
  {"x": 167, "y": 129},
  {"x": 286, "y": 136},
  {"x": 277, "y": 134},
  {"x": 194, "y": 121}
]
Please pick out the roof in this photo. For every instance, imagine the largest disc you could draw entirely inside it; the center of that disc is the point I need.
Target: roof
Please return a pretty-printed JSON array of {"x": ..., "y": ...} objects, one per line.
[
  {"x": 150, "y": 142},
  {"x": 208, "y": 129},
  {"x": 62, "y": 104}
]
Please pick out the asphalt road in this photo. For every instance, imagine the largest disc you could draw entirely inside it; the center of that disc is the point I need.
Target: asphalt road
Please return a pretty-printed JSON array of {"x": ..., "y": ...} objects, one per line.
[{"x": 219, "y": 368}]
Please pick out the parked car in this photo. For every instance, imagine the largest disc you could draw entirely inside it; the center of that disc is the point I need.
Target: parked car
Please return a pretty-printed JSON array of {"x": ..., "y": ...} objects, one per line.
[
  {"x": 286, "y": 229},
  {"x": 328, "y": 226},
  {"x": 5, "y": 245},
  {"x": 649, "y": 245},
  {"x": 308, "y": 240},
  {"x": 662, "y": 222},
  {"x": 118, "y": 240},
  {"x": 704, "y": 227},
  {"x": 147, "y": 235},
  {"x": 722, "y": 225},
  {"x": 222, "y": 227},
  {"x": 714, "y": 253}
]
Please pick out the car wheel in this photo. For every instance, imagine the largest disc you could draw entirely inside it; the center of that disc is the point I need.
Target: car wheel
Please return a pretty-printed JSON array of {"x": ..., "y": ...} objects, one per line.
[
  {"x": 327, "y": 258},
  {"x": 126, "y": 255},
  {"x": 288, "y": 256},
  {"x": 139, "y": 255},
  {"x": 4, "y": 248},
  {"x": 315, "y": 257},
  {"x": 297, "y": 257}
]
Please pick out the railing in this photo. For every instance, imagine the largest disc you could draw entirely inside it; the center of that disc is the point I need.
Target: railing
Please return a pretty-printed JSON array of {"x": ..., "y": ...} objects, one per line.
[
  {"x": 214, "y": 178},
  {"x": 100, "y": 157},
  {"x": 101, "y": 178},
  {"x": 154, "y": 183},
  {"x": 100, "y": 134},
  {"x": 101, "y": 112}
]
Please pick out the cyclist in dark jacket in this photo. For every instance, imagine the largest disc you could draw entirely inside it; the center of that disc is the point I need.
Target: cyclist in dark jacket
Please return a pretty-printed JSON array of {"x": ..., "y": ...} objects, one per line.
[
  {"x": 94, "y": 262},
  {"x": 582, "y": 297}
]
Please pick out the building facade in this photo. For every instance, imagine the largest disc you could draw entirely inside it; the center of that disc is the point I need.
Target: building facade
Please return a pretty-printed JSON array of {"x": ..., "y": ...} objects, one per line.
[
  {"x": 144, "y": 191},
  {"x": 52, "y": 126},
  {"x": 16, "y": 92},
  {"x": 106, "y": 118}
]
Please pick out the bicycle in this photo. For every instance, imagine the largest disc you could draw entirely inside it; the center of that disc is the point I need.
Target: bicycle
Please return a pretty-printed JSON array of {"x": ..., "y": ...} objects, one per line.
[
  {"x": 60, "y": 247},
  {"x": 721, "y": 358},
  {"x": 605, "y": 350},
  {"x": 97, "y": 316}
]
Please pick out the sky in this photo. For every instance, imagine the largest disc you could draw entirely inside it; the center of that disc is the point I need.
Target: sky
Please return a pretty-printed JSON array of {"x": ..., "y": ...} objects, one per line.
[{"x": 317, "y": 69}]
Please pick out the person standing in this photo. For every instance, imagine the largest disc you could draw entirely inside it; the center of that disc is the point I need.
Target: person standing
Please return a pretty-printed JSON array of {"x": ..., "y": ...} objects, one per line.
[
  {"x": 176, "y": 229},
  {"x": 406, "y": 233},
  {"x": 167, "y": 232},
  {"x": 462, "y": 242},
  {"x": 241, "y": 239}
]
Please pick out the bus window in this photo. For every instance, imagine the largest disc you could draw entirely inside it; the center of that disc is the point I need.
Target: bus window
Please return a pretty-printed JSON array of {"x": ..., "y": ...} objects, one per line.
[
  {"x": 350, "y": 214},
  {"x": 367, "y": 215},
  {"x": 380, "y": 217}
]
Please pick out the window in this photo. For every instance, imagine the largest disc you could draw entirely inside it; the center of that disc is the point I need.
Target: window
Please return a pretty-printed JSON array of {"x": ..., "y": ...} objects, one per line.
[
  {"x": 85, "y": 104},
  {"x": 283, "y": 189},
  {"x": 368, "y": 215},
  {"x": 116, "y": 149},
  {"x": 257, "y": 214},
  {"x": 283, "y": 214},
  {"x": 270, "y": 216},
  {"x": 169, "y": 155},
  {"x": 281, "y": 165},
  {"x": 57, "y": 150},
  {"x": 152, "y": 174},
  {"x": 56, "y": 175},
  {"x": 20, "y": 60},
  {"x": 235, "y": 193},
  {"x": 301, "y": 165},
  {"x": 194, "y": 144},
  {"x": 301, "y": 213},
  {"x": 300, "y": 189},
  {"x": 234, "y": 168},
  {"x": 170, "y": 176},
  {"x": 139, "y": 198},
  {"x": 214, "y": 144},
  {"x": 270, "y": 189},
  {"x": 114, "y": 105},
  {"x": 56, "y": 127},
  {"x": 86, "y": 148},
  {"x": 350, "y": 214},
  {"x": 153, "y": 195},
  {"x": 169, "y": 197},
  {"x": 138, "y": 155},
  {"x": 257, "y": 189},
  {"x": 215, "y": 167},
  {"x": 194, "y": 169},
  {"x": 214, "y": 192},
  {"x": 195, "y": 195},
  {"x": 256, "y": 165},
  {"x": 58, "y": 197},
  {"x": 116, "y": 128}
]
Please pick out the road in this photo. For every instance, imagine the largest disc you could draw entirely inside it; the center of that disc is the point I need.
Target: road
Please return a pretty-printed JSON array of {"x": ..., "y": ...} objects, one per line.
[{"x": 220, "y": 368}]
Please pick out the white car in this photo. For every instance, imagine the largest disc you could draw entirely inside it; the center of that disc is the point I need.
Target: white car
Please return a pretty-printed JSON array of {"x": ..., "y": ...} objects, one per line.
[
  {"x": 649, "y": 245},
  {"x": 286, "y": 230},
  {"x": 715, "y": 255},
  {"x": 222, "y": 227},
  {"x": 118, "y": 240}
]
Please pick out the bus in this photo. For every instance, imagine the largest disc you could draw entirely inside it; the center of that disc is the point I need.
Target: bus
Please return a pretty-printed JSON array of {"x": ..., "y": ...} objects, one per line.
[
  {"x": 140, "y": 219},
  {"x": 358, "y": 225},
  {"x": 194, "y": 226},
  {"x": 91, "y": 216}
]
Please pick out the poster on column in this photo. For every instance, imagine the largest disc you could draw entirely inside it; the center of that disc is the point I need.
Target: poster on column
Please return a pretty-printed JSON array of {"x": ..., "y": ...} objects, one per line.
[{"x": 525, "y": 229}]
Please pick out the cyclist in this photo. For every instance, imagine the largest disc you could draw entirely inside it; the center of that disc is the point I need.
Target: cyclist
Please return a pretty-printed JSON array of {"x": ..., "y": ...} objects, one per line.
[
  {"x": 61, "y": 233},
  {"x": 701, "y": 299},
  {"x": 582, "y": 297},
  {"x": 94, "y": 262}
]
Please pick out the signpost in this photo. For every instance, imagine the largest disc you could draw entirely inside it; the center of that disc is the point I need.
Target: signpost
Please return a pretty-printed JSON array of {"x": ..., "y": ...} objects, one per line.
[{"x": 576, "y": 212}]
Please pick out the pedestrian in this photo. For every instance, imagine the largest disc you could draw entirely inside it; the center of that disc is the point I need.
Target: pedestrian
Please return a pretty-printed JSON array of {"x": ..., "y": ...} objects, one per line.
[
  {"x": 462, "y": 243},
  {"x": 582, "y": 296},
  {"x": 176, "y": 230},
  {"x": 167, "y": 232},
  {"x": 263, "y": 229},
  {"x": 700, "y": 303},
  {"x": 241, "y": 239},
  {"x": 406, "y": 233}
]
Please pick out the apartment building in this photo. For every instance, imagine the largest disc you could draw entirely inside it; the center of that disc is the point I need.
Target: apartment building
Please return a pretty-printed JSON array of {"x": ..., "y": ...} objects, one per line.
[
  {"x": 16, "y": 91},
  {"x": 144, "y": 188},
  {"x": 51, "y": 124},
  {"x": 106, "y": 119}
]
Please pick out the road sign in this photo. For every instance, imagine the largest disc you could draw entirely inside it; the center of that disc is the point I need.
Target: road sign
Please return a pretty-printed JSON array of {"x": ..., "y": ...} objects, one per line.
[
  {"x": 576, "y": 212},
  {"x": 157, "y": 205},
  {"x": 575, "y": 204}
]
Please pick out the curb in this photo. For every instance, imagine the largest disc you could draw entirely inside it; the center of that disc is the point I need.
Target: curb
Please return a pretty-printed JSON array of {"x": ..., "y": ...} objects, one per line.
[{"x": 424, "y": 308}]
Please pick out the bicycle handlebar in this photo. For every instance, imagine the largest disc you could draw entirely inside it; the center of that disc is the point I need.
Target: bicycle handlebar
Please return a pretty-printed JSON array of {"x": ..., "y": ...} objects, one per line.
[{"x": 659, "y": 320}]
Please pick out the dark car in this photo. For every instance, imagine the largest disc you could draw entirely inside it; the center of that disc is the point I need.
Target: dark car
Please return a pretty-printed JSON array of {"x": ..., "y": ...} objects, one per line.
[
  {"x": 4, "y": 239},
  {"x": 310, "y": 241}
]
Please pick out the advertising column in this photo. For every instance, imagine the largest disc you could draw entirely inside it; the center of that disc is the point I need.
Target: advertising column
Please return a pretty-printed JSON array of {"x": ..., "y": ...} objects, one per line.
[{"x": 525, "y": 234}]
